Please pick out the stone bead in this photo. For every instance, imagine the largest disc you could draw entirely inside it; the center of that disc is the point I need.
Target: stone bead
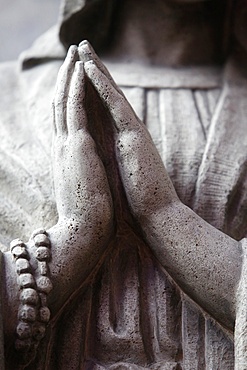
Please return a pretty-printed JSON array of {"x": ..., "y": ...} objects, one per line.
[
  {"x": 38, "y": 231},
  {"x": 24, "y": 330},
  {"x": 22, "y": 266},
  {"x": 43, "y": 268},
  {"x": 29, "y": 296},
  {"x": 26, "y": 281},
  {"x": 38, "y": 331},
  {"x": 44, "y": 314},
  {"x": 27, "y": 313},
  {"x": 22, "y": 345},
  {"x": 43, "y": 254},
  {"x": 16, "y": 243},
  {"x": 42, "y": 240},
  {"x": 19, "y": 252},
  {"x": 44, "y": 284}
]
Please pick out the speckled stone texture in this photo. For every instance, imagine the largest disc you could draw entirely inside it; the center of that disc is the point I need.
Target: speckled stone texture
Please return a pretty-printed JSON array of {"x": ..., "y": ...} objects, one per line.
[{"x": 138, "y": 173}]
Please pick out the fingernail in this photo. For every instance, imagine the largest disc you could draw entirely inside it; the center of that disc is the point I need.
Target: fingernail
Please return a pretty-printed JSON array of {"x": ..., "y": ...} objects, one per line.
[
  {"x": 72, "y": 49},
  {"x": 84, "y": 42},
  {"x": 79, "y": 66},
  {"x": 85, "y": 53},
  {"x": 89, "y": 63},
  {"x": 72, "y": 55}
]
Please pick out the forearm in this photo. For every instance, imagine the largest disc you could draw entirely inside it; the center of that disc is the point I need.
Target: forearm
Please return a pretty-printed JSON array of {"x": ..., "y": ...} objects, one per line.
[
  {"x": 147, "y": 184},
  {"x": 205, "y": 262}
]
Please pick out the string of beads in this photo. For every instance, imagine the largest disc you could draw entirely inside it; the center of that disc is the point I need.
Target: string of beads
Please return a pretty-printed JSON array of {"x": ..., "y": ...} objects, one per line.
[{"x": 33, "y": 313}]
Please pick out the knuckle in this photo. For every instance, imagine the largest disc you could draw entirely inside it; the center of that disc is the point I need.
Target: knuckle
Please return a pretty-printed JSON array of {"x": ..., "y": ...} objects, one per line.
[{"x": 80, "y": 138}]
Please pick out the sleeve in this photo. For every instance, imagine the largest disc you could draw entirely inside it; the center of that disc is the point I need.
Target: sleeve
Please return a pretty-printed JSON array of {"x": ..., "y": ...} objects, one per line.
[
  {"x": 240, "y": 336},
  {"x": 2, "y": 366}
]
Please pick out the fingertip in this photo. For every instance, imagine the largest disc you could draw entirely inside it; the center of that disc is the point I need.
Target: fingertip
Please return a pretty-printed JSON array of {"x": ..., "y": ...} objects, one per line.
[
  {"x": 85, "y": 52},
  {"x": 79, "y": 66},
  {"x": 84, "y": 42},
  {"x": 72, "y": 54},
  {"x": 90, "y": 62},
  {"x": 89, "y": 66},
  {"x": 72, "y": 50}
]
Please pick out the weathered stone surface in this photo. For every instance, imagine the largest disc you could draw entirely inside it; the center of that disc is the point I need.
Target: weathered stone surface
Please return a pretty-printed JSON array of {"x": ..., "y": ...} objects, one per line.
[{"x": 140, "y": 281}]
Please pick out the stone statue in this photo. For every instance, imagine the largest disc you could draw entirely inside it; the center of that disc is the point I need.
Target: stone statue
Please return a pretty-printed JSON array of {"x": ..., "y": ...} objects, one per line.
[{"x": 141, "y": 257}]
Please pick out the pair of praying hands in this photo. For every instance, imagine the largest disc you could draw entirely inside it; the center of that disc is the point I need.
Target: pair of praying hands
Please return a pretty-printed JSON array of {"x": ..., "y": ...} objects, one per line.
[
  {"x": 183, "y": 243},
  {"x": 81, "y": 182},
  {"x": 89, "y": 193}
]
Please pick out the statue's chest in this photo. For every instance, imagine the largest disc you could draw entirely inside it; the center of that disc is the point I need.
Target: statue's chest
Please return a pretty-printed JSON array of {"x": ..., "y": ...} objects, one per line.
[
  {"x": 201, "y": 135},
  {"x": 179, "y": 122},
  {"x": 134, "y": 316},
  {"x": 138, "y": 308}
]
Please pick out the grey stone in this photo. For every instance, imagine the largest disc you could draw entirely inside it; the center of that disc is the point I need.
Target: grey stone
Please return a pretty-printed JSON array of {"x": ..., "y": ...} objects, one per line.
[{"x": 148, "y": 206}]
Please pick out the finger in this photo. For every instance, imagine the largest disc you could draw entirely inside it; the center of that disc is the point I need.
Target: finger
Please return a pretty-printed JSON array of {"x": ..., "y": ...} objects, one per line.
[
  {"x": 144, "y": 178},
  {"x": 76, "y": 114},
  {"x": 62, "y": 88},
  {"x": 122, "y": 113},
  {"x": 87, "y": 53},
  {"x": 146, "y": 183}
]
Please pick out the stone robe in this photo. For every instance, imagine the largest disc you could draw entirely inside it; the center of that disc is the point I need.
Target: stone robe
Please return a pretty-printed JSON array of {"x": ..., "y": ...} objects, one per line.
[{"x": 131, "y": 314}]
